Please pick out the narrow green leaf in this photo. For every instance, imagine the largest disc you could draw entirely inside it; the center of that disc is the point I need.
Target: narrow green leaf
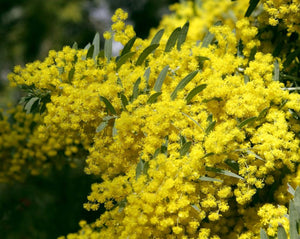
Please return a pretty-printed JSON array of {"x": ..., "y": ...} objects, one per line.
[
  {"x": 247, "y": 121},
  {"x": 194, "y": 92},
  {"x": 207, "y": 39},
  {"x": 263, "y": 113},
  {"x": 209, "y": 118},
  {"x": 124, "y": 58},
  {"x": 124, "y": 101},
  {"x": 224, "y": 172},
  {"x": 214, "y": 98},
  {"x": 122, "y": 205},
  {"x": 255, "y": 155},
  {"x": 182, "y": 35},
  {"x": 201, "y": 60},
  {"x": 128, "y": 46},
  {"x": 193, "y": 121},
  {"x": 246, "y": 79},
  {"x": 60, "y": 70},
  {"x": 108, "y": 48},
  {"x": 31, "y": 104},
  {"x": 90, "y": 52},
  {"x": 153, "y": 98},
  {"x": 196, "y": 208},
  {"x": 101, "y": 126},
  {"x": 157, "y": 37},
  {"x": 232, "y": 164},
  {"x": 185, "y": 148},
  {"x": 281, "y": 233},
  {"x": 252, "y": 6},
  {"x": 293, "y": 217},
  {"x": 75, "y": 46},
  {"x": 172, "y": 39},
  {"x": 160, "y": 79},
  {"x": 290, "y": 189},
  {"x": 276, "y": 71},
  {"x": 209, "y": 179},
  {"x": 252, "y": 53},
  {"x": 210, "y": 127},
  {"x": 145, "y": 53},
  {"x": 108, "y": 105},
  {"x": 263, "y": 234},
  {"x": 114, "y": 130},
  {"x": 183, "y": 83},
  {"x": 87, "y": 47},
  {"x": 135, "y": 91},
  {"x": 207, "y": 155},
  {"x": 139, "y": 169},
  {"x": 240, "y": 48},
  {"x": 71, "y": 74},
  {"x": 96, "y": 44}
]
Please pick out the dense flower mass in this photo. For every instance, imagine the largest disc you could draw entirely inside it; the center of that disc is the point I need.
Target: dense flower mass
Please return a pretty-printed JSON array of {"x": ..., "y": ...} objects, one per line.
[{"x": 192, "y": 131}]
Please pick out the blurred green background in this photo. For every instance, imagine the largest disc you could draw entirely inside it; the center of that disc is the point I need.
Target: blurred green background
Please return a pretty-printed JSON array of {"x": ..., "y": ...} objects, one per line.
[{"x": 49, "y": 206}]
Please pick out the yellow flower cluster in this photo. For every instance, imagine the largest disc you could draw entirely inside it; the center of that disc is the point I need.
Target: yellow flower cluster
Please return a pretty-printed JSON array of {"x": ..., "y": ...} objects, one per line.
[
  {"x": 191, "y": 139},
  {"x": 285, "y": 11},
  {"x": 23, "y": 152}
]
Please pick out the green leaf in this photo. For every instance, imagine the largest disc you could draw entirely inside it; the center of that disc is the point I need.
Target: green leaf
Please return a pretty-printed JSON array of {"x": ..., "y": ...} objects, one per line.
[
  {"x": 75, "y": 46},
  {"x": 160, "y": 79},
  {"x": 96, "y": 44},
  {"x": 209, "y": 179},
  {"x": 224, "y": 172},
  {"x": 124, "y": 58},
  {"x": 157, "y": 37},
  {"x": 247, "y": 121},
  {"x": 263, "y": 113},
  {"x": 145, "y": 53},
  {"x": 183, "y": 83},
  {"x": 294, "y": 220},
  {"x": 194, "y": 92},
  {"x": 290, "y": 189},
  {"x": 207, "y": 39},
  {"x": 207, "y": 155},
  {"x": 193, "y": 121},
  {"x": 90, "y": 52},
  {"x": 263, "y": 234},
  {"x": 255, "y": 155},
  {"x": 141, "y": 168},
  {"x": 209, "y": 118},
  {"x": 281, "y": 233},
  {"x": 128, "y": 46},
  {"x": 108, "y": 105},
  {"x": 172, "y": 39},
  {"x": 185, "y": 148},
  {"x": 211, "y": 99},
  {"x": 252, "y": 6},
  {"x": 210, "y": 127},
  {"x": 108, "y": 48},
  {"x": 201, "y": 60},
  {"x": 124, "y": 101},
  {"x": 153, "y": 98},
  {"x": 101, "y": 126},
  {"x": 276, "y": 71},
  {"x": 60, "y": 70},
  {"x": 147, "y": 75},
  {"x": 246, "y": 79},
  {"x": 32, "y": 104},
  {"x": 135, "y": 91},
  {"x": 232, "y": 164},
  {"x": 182, "y": 35},
  {"x": 196, "y": 208},
  {"x": 252, "y": 53},
  {"x": 71, "y": 74},
  {"x": 114, "y": 130}
]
